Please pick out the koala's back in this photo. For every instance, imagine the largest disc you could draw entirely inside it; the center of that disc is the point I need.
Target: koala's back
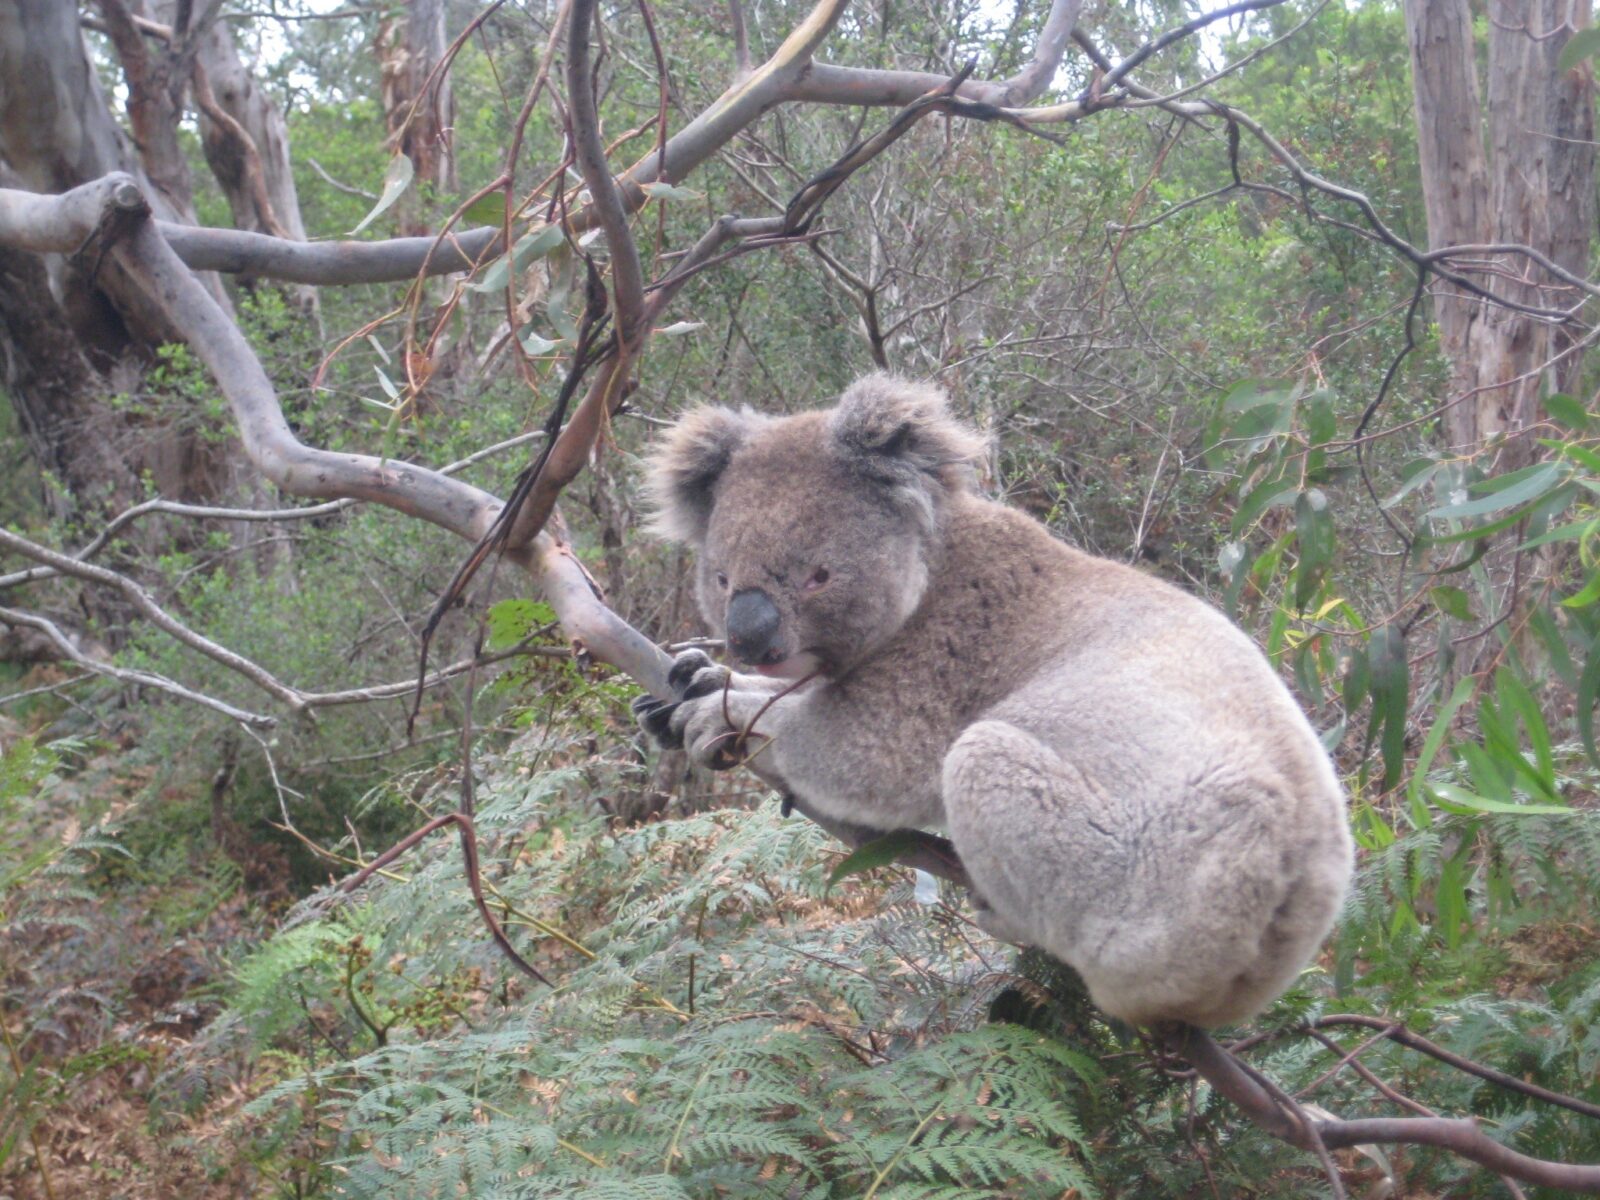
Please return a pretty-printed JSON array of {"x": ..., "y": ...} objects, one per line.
[{"x": 1147, "y": 801}]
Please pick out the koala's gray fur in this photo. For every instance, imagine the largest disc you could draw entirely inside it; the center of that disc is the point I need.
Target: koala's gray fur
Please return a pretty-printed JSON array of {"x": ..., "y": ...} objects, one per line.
[{"x": 1127, "y": 781}]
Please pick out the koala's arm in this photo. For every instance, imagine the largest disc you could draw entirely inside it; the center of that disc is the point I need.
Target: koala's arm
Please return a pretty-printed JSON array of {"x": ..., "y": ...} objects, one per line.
[{"x": 855, "y": 760}]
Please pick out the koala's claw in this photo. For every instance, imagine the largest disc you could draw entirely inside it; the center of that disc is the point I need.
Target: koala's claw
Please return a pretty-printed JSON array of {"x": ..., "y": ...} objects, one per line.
[
  {"x": 685, "y": 671},
  {"x": 655, "y": 718}
]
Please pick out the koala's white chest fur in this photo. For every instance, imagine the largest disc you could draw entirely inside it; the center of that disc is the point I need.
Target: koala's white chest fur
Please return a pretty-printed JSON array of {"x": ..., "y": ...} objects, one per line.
[{"x": 1129, "y": 785}]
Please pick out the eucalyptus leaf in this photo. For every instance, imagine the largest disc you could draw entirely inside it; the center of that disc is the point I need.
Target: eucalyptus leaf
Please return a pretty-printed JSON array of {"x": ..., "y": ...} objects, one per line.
[
  {"x": 670, "y": 191},
  {"x": 1314, "y": 535},
  {"x": 1581, "y": 45},
  {"x": 487, "y": 210},
  {"x": 1588, "y": 688},
  {"x": 1519, "y": 487},
  {"x": 1590, "y": 593},
  {"x": 1391, "y": 693},
  {"x": 879, "y": 852},
  {"x": 1458, "y": 799},
  {"x": 396, "y": 179},
  {"x": 1451, "y": 601},
  {"x": 528, "y": 248},
  {"x": 1569, "y": 411},
  {"x": 537, "y": 345}
]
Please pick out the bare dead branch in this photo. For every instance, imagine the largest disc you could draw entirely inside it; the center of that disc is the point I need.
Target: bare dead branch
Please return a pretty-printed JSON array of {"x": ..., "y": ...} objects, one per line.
[
  {"x": 1177, "y": 34},
  {"x": 338, "y": 186},
  {"x": 469, "y": 853},
  {"x": 45, "y": 689},
  {"x": 206, "y": 512},
  {"x": 1415, "y": 1041},
  {"x": 741, "y": 38},
  {"x": 156, "y": 615},
  {"x": 11, "y": 616}
]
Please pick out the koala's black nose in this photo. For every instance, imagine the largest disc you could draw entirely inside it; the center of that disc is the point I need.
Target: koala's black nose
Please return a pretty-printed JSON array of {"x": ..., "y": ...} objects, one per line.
[{"x": 752, "y": 625}]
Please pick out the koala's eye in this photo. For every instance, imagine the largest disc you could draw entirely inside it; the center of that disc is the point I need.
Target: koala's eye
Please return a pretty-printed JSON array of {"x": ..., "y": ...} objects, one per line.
[
  {"x": 818, "y": 580},
  {"x": 722, "y": 581}
]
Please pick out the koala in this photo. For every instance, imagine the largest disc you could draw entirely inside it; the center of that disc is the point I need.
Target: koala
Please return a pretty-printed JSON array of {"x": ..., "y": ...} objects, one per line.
[{"x": 1129, "y": 784}]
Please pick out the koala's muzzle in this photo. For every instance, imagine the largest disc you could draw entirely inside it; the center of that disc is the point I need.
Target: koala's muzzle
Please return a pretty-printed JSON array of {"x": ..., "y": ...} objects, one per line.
[{"x": 753, "y": 622}]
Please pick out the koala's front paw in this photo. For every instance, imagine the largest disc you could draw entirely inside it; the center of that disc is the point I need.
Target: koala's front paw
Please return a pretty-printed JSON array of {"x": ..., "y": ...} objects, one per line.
[{"x": 693, "y": 677}]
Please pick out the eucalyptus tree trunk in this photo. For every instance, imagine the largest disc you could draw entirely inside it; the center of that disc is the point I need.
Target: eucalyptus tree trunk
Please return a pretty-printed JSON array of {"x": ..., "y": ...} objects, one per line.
[
  {"x": 76, "y": 330},
  {"x": 1519, "y": 170},
  {"x": 418, "y": 105},
  {"x": 246, "y": 142},
  {"x": 71, "y": 331}
]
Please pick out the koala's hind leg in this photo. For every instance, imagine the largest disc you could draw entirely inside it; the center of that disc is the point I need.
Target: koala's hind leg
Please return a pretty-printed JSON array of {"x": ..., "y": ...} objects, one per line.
[{"x": 1039, "y": 840}]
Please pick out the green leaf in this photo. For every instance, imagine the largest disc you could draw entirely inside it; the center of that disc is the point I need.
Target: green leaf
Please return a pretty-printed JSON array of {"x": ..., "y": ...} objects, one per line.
[
  {"x": 1415, "y": 473},
  {"x": 1432, "y": 744},
  {"x": 563, "y": 277},
  {"x": 1321, "y": 422},
  {"x": 396, "y": 179},
  {"x": 1588, "y": 687},
  {"x": 1451, "y": 601},
  {"x": 1476, "y": 532},
  {"x": 1575, "y": 531},
  {"x": 1262, "y": 497},
  {"x": 1581, "y": 45},
  {"x": 1249, "y": 409},
  {"x": 536, "y": 345},
  {"x": 529, "y": 247},
  {"x": 1391, "y": 693},
  {"x": 1506, "y": 491},
  {"x": 487, "y": 210},
  {"x": 1459, "y": 800},
  {"x": 390, "y": 388},
  {"x": 1555, "y": 645},
  {"x": 1313, "y": 525},
  {"x": 1487, "y": 773},
  {"x": 669, "y": 191},
  {"x": 512, "y": 620},
  {"x": 1515, "y": 698},
  {"x": 879, "y": 852},
  {"x": 1568, "y": 411},
  {"x": 1357, "y": 679},
  {"x": 1590, "y": 593},
  {"x": 1581, "y": 454}
]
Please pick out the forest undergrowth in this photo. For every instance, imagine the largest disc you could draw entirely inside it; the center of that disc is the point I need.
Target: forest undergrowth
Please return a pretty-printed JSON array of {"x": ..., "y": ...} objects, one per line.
[{"x": 722, "y": 1021}]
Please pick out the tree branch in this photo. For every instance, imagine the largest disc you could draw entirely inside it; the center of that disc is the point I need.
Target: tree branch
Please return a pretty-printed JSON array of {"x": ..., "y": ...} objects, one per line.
[
  {"x": 254, "y": 720},
  {"x": 627, "y": 276},
  {"x": 157, "y": 616}
]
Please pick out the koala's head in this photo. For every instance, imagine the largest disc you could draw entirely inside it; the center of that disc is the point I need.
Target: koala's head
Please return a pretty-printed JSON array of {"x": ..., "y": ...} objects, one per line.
[{"x": 814, "y": 533}]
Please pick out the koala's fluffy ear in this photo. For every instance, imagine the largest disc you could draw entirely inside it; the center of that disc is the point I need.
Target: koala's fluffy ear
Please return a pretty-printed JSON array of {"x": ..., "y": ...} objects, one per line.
[
  {"x": 898, "y": 427},
  {"x": 683, "y": 469}
]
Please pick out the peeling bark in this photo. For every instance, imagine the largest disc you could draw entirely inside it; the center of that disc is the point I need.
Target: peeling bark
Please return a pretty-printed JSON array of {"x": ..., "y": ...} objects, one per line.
[
  {"x": 1519, "y": 171},
  {"x": 418, "y": 104}
]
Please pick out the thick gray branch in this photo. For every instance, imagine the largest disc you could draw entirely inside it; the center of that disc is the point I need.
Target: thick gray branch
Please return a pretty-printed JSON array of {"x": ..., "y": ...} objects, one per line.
[
  {"x": 235, "y": 251},
  {"x": 823, "y": 83}
]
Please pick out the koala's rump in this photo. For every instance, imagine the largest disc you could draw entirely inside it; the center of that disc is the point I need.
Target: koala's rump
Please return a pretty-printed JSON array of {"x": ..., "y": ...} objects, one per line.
[{"x": 1164, "y": 821}]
